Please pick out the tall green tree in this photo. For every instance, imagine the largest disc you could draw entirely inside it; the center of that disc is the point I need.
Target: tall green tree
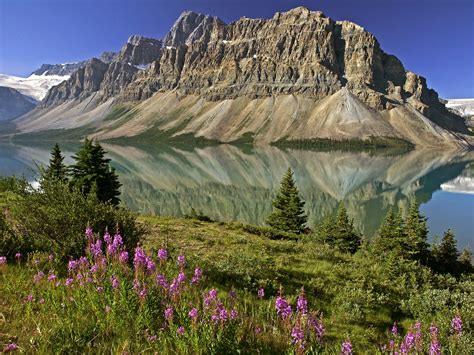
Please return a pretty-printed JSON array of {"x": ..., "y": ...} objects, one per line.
[
  {"x": 344, "y": 235},
  {"x": 390, "y": 237},
  {"x": 92, "y": 173},
  {"x": 56, "y": 169},
  {"x": 416, "y": 230},
  {"x": 465, "y": 261},
  {"x": 288, "y": 208}
]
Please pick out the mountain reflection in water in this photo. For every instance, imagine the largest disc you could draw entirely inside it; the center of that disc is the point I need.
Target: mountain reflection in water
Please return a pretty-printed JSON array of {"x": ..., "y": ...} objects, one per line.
[{"x": 232, "y": 183}]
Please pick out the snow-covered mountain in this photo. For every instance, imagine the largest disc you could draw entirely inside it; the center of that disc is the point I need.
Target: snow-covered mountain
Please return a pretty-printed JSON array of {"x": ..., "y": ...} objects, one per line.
[
  {"x": 463, "y": 107},
  {"x": 34, "y": 86}
]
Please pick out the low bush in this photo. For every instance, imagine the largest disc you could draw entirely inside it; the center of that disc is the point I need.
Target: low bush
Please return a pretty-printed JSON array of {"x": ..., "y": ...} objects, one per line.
[{"x": 53, "y": 219}]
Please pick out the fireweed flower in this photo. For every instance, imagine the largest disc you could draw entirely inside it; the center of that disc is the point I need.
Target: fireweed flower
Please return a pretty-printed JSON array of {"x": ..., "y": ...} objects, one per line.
[
  {"x": 408, "y": 342},
  {"x": 261, "y": 293},
  {"x": 89, "y": 233},
  {"x": 150, "y": 265},
  {"x": 100, "y": 289},
  {"x": 50, "y": 257},
  {"x": 139, "y": 259},
  {"x": 210, "y": 297},
  {"x": 193, "y": 313},
  {"x": 51, "y": 277},
  {"x": 96, "y": 248},
  {"x": 234, "y": 314},
  {"x": 456, "y": 324},
  {"x": 162, "y": 254},
  {"x": 107, "y": 237},
  {"x": 169, "y": 314},
  {"x": 68, "y": 281},
  {"x": 29, "y": 298},
  {"x": 317, "y": 326},
  {"x": 223, "y": 315},
  {"x": 197, "y": 276},
  {"x": 181, "y": 261},
  {"x": 161, "y": 280},
  {"x": 72, "y": 265},
  {"x": 115, "y": 282},
  {"x": 298, "y": 336},
  {"x": 418, "y": 336},
  {"x": 10, "y": 347},
  {"x": 282, "y": 307},
  {"x": 395, "y": 329},
  {"x": 123, "y": 258},
  {"x": 118, "y": 242},
  {"x": 180, "y": 330},
  {"x": 433, "y": 331},
  {"x": 302, "y": 303},
  {"x": 181, "y": 277},
  {"x": 346, "y": 348},
  {"x": 18, "y": 256},
  {"x": 3, "y": 260},
  {"x": 435, "y": 348}
]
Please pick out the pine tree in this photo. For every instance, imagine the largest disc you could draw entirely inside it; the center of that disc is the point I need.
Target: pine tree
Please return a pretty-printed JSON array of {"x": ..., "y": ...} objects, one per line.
[
  {"x": 92, "y": 171},
  {"x": 56, "y": 169},
  {"x": 344, "y": 234},
  {"x": 447, "y": 253},
  {"x": 288, "y": 208},
  {"x": 386, "y": 239},
  {"x": 416, "y": 230},
  {"x": 465, "y": 262}
]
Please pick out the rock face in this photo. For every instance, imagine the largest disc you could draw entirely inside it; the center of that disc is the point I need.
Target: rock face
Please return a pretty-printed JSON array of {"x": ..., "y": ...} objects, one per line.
[
  {"x": 299, "y": 53},
  {"x": 13, "y": 103},
  {"x": 69, "y": 68}
]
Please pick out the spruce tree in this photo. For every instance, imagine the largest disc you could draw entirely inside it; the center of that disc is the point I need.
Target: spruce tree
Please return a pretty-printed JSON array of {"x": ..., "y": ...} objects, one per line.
[
  {"x": 56, "y": 169},
  {"x": 288, "y": 208},
  {"x": 387, "y": 236},
  {"x": 465, "y": 262},
  {"x": 448, "y": 251},
  {"x": 416, "y": 230},
  {"x": 344, "y": 234},
  {"x": 92, "y": 171}
]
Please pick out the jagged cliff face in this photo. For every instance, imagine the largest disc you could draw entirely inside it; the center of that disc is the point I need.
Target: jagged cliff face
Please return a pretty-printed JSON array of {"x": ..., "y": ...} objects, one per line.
[{"x": 300, "y": 54}]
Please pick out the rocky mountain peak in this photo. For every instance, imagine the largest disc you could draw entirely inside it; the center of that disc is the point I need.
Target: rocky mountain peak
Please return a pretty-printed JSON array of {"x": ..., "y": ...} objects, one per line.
[
  {"x": 189, "y": 27},
  {"x": 139, "y": 50}
]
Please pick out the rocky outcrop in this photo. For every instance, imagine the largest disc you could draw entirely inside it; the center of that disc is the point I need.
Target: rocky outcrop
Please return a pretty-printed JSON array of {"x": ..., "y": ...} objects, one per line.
[
  {"x": 13, "y": 103},
  {"x": 139, "y": 50},
  {"x": 83, "y": 82}
]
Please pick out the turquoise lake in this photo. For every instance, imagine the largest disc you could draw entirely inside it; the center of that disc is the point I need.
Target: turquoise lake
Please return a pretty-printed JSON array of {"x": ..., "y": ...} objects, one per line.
[{"x": 228, "y": 182}]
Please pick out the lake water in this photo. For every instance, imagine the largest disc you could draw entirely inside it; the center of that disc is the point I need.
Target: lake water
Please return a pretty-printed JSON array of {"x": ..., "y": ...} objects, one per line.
[{"x": 233, "y": 183}]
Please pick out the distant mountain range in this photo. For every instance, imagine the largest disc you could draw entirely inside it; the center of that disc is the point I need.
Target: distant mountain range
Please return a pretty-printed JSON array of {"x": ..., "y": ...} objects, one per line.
[{"x": 297, "y": 76}]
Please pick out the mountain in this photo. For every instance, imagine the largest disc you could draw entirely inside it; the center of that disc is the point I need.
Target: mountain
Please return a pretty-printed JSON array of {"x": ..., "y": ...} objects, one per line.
[
  {"x": 297, "y": 76},
  {"x": 13, "y": 103},
  {"x": 34, "y": 86},
  {"x": 463, "y": 108}
]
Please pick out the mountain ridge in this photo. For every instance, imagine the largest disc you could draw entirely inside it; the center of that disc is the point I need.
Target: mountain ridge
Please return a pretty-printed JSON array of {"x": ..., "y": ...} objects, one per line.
[{"x": 299, "y": 53}]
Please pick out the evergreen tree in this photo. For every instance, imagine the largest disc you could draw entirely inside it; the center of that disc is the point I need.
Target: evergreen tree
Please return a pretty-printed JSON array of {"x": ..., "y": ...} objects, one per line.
[
  {"x": 416, "y": 230},
  {"x": 92, "y": 172},
  {"x": 388, "y": 236},
  {"x": 56, "y": 169},
  {"x": 288, "y": 208},
  {"x": 465, "y": 262},
  {"x": 344, "y": 234},
  {"x": 447, "y": 253}
]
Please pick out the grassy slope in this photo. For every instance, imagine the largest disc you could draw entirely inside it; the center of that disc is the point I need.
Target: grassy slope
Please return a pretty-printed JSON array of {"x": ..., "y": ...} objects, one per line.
[{"x": 231, "y": 256}]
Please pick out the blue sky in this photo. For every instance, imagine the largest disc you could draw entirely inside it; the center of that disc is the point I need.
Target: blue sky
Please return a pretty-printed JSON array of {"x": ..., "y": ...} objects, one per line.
[{"x": 434, "y": 38}]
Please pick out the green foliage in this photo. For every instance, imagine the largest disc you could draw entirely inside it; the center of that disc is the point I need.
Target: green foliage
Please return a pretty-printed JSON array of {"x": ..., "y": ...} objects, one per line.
[
  {"x": 56, "y": 169},
  {"x": 55, "y": 219},
  {"x": 197, "y": 215},
  {"x": 416, "y": 229},
  {"x": 92, "y": 172},
  {"x": 338, "y": 230},
  {"x": 288, "y": 208}
]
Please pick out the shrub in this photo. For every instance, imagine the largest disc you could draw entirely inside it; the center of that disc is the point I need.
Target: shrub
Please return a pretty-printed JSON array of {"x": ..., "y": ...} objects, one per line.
[{"x": 54, "y": 218}]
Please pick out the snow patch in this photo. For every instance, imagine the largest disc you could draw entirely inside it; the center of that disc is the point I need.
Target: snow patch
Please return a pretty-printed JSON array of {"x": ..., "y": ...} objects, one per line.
[
  {"x": 34, "y": 86},
  {"x": 464, "y": 107}
]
